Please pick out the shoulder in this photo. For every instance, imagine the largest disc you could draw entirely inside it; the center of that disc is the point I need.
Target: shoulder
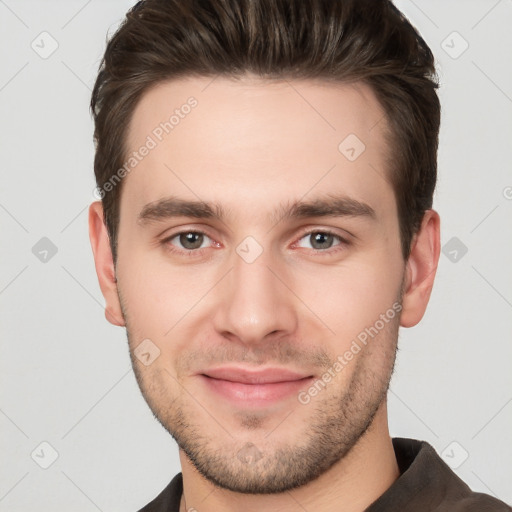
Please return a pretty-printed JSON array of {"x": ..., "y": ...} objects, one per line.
[
  {"x": 476, "y": 502},
  {"x": 427, "y": 484},
  {"x": 169, "y": 499}
]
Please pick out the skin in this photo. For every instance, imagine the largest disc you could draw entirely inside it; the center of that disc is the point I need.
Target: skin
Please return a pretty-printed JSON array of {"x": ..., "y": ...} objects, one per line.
[{"x": 250, "y": 146}]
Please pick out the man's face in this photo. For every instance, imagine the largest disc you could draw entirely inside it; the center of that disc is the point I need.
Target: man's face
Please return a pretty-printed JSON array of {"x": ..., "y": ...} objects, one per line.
[{"x": 259, "y": 282}]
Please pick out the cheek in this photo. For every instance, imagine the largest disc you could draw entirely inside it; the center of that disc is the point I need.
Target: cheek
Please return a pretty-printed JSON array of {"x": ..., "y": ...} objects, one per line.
[
  {"x": 147, "y": 295},
  {"x": 158, "y": 296},
  {"x": 348, "y": 299}
]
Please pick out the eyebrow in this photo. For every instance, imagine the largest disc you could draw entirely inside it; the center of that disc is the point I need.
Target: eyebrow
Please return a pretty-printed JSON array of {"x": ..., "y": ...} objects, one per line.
[{"x": 328, "y": 206}]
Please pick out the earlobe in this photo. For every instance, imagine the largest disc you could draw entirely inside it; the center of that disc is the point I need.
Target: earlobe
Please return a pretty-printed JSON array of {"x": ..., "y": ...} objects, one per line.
[
  {"x": 421, "y": 270},
  {"x": 104, "y": 264}
]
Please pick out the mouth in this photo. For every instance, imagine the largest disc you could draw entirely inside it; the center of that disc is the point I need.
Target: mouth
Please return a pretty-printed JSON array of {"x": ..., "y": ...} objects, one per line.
[{"x": 245, "y": 388}]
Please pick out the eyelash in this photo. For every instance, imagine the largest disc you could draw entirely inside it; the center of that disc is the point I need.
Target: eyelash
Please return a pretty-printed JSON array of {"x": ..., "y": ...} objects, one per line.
[{"x": 343, "y": 242}]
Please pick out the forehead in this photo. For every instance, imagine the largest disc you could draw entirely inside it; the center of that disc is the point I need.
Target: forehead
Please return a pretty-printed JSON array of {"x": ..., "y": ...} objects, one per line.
[{"x": 224, "y": 139}]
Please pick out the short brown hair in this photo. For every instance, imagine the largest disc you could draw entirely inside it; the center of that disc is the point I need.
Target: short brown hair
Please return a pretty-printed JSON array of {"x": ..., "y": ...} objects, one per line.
[{"x": 333, "y": 40}]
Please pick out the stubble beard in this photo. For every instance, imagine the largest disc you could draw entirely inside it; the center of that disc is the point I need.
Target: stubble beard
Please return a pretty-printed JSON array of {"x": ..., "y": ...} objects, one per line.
[{"x": 274, "y": 463}]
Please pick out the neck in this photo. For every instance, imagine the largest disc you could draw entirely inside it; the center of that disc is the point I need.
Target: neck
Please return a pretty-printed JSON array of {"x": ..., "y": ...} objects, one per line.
[{"x": 352, "y": 484}]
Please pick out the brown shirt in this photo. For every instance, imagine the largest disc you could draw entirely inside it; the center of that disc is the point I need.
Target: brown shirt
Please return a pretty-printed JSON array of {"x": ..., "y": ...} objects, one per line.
[{"x": 426, "y": 483}]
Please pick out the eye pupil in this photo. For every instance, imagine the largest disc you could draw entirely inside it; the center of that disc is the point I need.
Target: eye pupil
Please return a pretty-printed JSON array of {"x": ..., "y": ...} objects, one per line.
[
  {"x": 191, "y": 240},
  {"x": 321, "y": 240}
]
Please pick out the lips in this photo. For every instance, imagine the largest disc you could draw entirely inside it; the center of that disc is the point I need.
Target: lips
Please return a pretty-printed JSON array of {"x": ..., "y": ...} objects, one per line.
[
  {"x": 246, "y": 388},
  {"x": 244, "y": 376}
]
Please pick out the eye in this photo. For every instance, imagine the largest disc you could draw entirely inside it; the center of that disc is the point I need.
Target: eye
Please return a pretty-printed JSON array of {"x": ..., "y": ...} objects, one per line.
[
  {"x": 320, "y": 240},
  {"x": 188, "y": 240}
]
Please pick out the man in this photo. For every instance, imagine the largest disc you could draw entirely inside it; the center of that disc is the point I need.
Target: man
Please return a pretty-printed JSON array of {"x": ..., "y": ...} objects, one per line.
[{"x": 266, "y": 170}]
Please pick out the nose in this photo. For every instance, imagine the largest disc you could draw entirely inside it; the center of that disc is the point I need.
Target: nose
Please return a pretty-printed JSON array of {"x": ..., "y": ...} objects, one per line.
[{"x": 255, "y": 304}]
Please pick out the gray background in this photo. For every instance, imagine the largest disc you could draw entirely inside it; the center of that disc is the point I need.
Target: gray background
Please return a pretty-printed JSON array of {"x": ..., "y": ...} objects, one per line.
[{"x": 65, "y": 372}]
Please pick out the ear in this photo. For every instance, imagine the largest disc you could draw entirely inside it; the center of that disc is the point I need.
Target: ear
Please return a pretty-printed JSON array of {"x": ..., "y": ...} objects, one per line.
[
  {"x": 104, "y": 264},
  {"x": 421, "y": 270}
]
